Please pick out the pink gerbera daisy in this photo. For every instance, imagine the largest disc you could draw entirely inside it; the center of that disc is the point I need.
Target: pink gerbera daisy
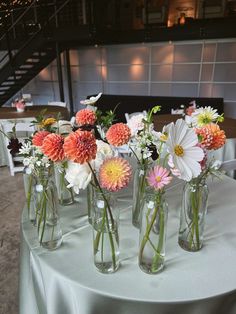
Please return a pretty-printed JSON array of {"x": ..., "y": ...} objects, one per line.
[
  {"x": 158, "y": 177},
  {"x": 80, "y": 146},
  {"x": 114, "y": 173},
  {"x": 38, "y": 138},
  {"x": 85, "y": 116},
  {"x": 118, "y": 134},
  {"x": 53, "y": 147}
]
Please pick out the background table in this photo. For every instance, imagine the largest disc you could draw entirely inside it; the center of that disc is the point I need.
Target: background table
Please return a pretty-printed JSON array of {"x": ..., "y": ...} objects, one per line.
[
  {"x": 65, "y": 281},
  {"x": 9, "y": 113}
]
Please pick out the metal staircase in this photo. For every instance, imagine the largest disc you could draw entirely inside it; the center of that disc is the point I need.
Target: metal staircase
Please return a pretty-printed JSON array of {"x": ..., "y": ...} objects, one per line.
[{"x": 22, "y": 62}]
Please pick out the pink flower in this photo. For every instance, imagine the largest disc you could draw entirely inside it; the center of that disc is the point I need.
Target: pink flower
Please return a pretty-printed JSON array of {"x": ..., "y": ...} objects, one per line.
[{"x": 158, "y": 177}]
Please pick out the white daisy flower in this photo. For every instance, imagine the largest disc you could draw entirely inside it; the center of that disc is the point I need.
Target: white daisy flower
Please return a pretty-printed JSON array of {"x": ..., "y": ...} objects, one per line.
[
  {"x": 181, "y": 145},
  {"x": 203, "y": 116}
]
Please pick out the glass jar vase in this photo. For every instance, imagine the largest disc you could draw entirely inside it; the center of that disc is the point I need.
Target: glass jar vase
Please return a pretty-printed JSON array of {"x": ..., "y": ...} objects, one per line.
[
  {"x": 29, "y": 184},
  {"x": 192, "y": 216},
  {"x": 105, "y": 233},
  {"x": 46, "y": 205},
  {"x": 153, "y": 232},
  {"x": 139, "y": 185},
  {"x": 65, "y": 194}
]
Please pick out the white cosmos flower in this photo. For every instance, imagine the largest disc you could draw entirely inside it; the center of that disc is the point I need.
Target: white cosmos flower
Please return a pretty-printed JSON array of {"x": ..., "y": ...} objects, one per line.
[
  {"x": 91, "y": 100},
  {"x": 78, "y": 176},
  {"x": 181, "y": 144},
  {"x": 203, "y": 116}
]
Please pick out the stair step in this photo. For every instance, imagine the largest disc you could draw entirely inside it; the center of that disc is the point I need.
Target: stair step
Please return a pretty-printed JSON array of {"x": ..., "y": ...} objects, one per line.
[
  {"x": 4, "y": 88},
  {"x": 7, "y": 83},
  {"x": 26, "y": 66}
]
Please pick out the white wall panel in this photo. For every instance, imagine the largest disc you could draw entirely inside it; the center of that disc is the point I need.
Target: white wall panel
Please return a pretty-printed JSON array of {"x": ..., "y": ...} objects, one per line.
[
  {"x": 127, "y": 73},
  {"x": 187, "y": 53},
  {"x": 184, "y": 89},
  {"x": 186, "y": 72},
  {"x": 161, "y": 73}
]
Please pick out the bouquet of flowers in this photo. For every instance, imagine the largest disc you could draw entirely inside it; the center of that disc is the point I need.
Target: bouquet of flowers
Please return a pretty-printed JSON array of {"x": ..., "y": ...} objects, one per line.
[
  {"x": 203, "y": 124},
  {"x": 94, "y": 161}
]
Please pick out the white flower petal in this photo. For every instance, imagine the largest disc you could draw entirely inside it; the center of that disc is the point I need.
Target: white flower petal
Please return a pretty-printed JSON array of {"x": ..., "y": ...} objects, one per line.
[{"x": 195, "y": 153}]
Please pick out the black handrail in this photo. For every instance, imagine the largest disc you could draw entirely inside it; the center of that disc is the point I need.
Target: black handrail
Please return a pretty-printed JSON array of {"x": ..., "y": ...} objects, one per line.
[{"x": 37, "y": 32}]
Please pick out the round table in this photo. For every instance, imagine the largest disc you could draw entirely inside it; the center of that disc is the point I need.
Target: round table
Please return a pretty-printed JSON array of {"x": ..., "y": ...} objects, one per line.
[{"x": 65, "y": 281}]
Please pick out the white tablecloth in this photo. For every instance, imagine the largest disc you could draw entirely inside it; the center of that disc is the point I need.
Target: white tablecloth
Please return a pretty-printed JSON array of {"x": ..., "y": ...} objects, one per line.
[{"x": 65, "y": 281}]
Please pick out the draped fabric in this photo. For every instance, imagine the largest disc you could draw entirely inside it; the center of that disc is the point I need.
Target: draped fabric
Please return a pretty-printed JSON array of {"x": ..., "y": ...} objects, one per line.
[{"x": 65, "y": 281}]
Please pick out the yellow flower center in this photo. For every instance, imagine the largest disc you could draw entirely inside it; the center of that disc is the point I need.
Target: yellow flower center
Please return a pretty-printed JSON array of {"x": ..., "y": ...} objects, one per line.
[
  {"x": 179, "y": 151},
  {"x": 158, "y": 178},
  {"x": 205, "y": 118},
  {"x": 164, "y": 137},
  {"x": 113, "y": 171}
]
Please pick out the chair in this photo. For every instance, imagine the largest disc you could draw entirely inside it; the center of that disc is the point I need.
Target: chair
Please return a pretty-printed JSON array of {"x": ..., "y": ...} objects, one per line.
[
  {"x": 57, "y": 103},
  {"x": 128, "y": 116},
  {"x": 229, "y": 166},
  {"x": 23, "y": 130}
]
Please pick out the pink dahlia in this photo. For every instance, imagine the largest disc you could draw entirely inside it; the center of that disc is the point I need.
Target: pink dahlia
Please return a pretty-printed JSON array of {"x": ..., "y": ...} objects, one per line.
[
  {"x": 118, "y": 134},
  {"x": 158, "y": 177},
  {"x": 53, "y": 147},
  {"x": 85, "y": 116},
  {"x": 80, "y": 146},
  {"x": 39, "y": 137},
  {"x": 114, "y": 174}
]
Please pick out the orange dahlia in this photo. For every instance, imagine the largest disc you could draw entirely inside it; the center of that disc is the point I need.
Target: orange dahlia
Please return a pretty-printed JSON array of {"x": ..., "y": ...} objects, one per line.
[
  {"x": 85, "y": 116},
  {"x": 212, "y": 137},
  {"x": 114, "y": 173},
  {"x": 38, "y": 137},
  {"x": 118, "y": 134},
  {"x": 80, "y": 146},
  {"x": 53, "y": 147}
]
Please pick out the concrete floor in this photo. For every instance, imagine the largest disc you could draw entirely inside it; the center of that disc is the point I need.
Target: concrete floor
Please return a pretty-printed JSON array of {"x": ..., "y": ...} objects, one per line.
[{"x": 12, "y": 199}]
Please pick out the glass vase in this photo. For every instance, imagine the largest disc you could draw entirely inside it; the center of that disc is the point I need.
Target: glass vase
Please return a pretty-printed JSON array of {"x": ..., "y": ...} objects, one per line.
[
  {"x": 90, "y": 202},
  {"x": 29, "y": 184},
  {"x": 192, "y": 216},
  {"x": 153, "y": 232},
  {"x": 65, "y": 194},
  {"x": 46, "y": 204},
  {"x": 139, "y": 185},
  {"x": 105, "y": 233}
]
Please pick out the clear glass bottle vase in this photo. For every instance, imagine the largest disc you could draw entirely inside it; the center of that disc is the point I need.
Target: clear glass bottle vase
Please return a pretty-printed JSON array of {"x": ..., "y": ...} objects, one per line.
[
  {"x": 153, "y": 232},
  {"x": 192, "y": 216},
  {"x": 29, "y": 184},
  {"x": 139, "y": 185},
  {"x": 105, "y": 233},
  {"x": 65, "y": 194},
  {"x": 46, "y": 205}
]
